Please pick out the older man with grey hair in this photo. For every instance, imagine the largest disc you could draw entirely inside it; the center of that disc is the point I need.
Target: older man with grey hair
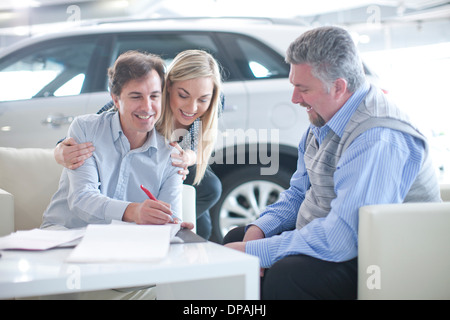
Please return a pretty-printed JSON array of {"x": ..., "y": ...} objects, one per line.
[{"x": 360, "y": 149}]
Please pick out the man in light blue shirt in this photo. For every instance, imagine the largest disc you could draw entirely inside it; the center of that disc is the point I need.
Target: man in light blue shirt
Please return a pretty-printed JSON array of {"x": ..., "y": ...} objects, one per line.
[
  {"x": 129, "y": 153},
  {"x": 359, "y": 150}
]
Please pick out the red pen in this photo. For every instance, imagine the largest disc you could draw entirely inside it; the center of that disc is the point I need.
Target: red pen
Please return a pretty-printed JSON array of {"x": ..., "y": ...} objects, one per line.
[
  {"x": 148, "y": 193},
  {"x": 152, "y": 197}
]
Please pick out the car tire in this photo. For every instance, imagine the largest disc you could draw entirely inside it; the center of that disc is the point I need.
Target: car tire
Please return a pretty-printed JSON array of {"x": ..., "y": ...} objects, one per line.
[{"x": 245, "y": 194}]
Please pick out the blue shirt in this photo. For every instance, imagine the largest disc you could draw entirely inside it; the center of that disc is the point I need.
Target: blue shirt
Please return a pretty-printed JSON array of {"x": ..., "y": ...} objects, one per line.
[
  {"x": 378, "y": 167},
  {"x": 100, "y": 190}
]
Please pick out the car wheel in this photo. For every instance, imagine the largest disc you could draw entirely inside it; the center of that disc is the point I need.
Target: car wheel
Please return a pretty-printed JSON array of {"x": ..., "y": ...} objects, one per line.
[{"x": 245, "y": 194}]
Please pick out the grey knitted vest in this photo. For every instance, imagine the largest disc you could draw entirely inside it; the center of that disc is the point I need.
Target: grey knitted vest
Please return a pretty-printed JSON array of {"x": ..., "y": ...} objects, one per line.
[{"x": 374, "y": 111}]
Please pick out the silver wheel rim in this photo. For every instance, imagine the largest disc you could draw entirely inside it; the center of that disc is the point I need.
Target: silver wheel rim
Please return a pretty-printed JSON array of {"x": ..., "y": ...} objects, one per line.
[{"x": 245, "y": 203}]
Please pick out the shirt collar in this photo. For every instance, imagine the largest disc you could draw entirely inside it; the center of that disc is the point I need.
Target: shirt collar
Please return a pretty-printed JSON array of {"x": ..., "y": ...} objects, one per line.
[
  {"x": 338, "y": 122},
  {"x": 117, "y": 133},
  {"x": 116, "y": 128}
]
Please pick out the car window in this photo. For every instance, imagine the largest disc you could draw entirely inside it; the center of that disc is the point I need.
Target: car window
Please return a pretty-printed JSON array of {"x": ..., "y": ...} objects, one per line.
[
  {"x": 166, "y": 45},
  {"x": 260, "y": 63},
  {"x": 51, "y": 69},
  {"x": 254, "y": 59},
  {"x": 169, "y": 44}
]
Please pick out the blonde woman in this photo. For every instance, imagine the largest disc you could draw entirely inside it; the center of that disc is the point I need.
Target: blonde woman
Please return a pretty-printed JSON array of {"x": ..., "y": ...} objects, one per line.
[{"x": 190, "y": 110}]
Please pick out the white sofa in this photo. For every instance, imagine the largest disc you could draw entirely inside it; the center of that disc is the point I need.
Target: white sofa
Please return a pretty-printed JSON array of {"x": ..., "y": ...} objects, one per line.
[{"x": 28, "y": 179}]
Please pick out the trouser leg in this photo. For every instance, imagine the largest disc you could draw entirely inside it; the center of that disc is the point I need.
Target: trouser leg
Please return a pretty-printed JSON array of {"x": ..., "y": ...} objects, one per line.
[
  {"x": 208, "y": 192},
  {"x": 204, "y": 225},
  {"x": 234, "y": 235},
  {"x": 305, "y": 277}
]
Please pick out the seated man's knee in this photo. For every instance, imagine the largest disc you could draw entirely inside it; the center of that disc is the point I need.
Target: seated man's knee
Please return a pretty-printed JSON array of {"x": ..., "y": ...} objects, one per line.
[
  {"x": 278, "y": 282},
  {"x": 303, "y": 277},
  {"x": 234, "y": 235}
]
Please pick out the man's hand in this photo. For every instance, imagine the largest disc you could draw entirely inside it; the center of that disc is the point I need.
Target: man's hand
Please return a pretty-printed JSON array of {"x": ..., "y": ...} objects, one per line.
[
  {"x": 252, "y": 233},
  {"x": 187, "y": 225},
  {"x": 240, "y": 246},
  {"x": 148, "y": 212}
]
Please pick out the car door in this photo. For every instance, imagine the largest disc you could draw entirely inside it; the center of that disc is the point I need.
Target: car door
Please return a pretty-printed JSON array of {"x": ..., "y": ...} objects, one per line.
[
  {"x": 38, "y": 123},
  {"x": 271, "y": 114},
  {"x": 44, "y": 86}
]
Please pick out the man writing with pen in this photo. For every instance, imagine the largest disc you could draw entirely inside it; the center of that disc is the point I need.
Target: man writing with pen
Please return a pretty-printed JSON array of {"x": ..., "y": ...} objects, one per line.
[{"x": 129, "y": 153}]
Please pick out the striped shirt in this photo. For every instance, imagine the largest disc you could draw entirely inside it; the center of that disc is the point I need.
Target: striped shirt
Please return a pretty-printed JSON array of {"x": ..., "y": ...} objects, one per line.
[{"x": 378, "y": 167}]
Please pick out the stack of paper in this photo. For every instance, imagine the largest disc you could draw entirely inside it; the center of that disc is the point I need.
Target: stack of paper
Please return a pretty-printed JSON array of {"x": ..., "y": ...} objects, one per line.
[
  {"x": 39, "y": 239},
  {"x": 122, "y": 243},
  {"x": 174, "y": 227}
]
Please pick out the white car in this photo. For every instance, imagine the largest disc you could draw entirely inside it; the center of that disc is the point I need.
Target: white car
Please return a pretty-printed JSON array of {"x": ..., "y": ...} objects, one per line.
[{"x": 48, "y": 80}]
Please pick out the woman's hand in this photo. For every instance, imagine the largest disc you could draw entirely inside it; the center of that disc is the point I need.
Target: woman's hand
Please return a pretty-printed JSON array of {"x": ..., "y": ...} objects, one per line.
[
  {"x": 183, "y": 159},
  {"x": 72, "y": 155}
]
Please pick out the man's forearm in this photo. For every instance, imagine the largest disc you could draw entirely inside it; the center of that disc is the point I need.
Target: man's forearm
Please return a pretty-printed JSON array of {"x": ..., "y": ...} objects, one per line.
[{"x": 253, "y": 233}]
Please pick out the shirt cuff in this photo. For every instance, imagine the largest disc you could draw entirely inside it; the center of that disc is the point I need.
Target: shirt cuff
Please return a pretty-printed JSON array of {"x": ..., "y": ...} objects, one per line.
[
  {"x": 266, "y": 224},
  {"x": 262, "y": 248},
  {"x": 115, "y": 209}
]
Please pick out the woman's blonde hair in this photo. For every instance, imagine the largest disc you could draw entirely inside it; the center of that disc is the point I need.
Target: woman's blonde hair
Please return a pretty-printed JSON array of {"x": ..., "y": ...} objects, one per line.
[{"x": 187, "y": 65}]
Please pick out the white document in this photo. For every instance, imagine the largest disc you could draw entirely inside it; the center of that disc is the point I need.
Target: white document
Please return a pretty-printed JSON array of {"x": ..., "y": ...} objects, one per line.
[
  {"x": 174, "y": 228},
  {"x": 39, "y": 239},
  {"x": 122, "y": 243}
]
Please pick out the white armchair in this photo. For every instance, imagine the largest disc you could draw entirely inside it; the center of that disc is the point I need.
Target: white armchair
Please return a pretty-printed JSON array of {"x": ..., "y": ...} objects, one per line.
[
  {"x": 28, "y": 179},
  {"x": 404, "y": 250},
  {"x": 445, "y": 192}
]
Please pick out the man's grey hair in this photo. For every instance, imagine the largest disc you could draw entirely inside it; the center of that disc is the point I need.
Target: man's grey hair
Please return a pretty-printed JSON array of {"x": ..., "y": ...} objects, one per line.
[{"x": 331, "y": 53}]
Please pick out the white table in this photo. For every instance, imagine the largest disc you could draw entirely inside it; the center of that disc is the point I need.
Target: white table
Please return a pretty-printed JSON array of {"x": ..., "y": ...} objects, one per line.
[{"x": 190, "y": 271}]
